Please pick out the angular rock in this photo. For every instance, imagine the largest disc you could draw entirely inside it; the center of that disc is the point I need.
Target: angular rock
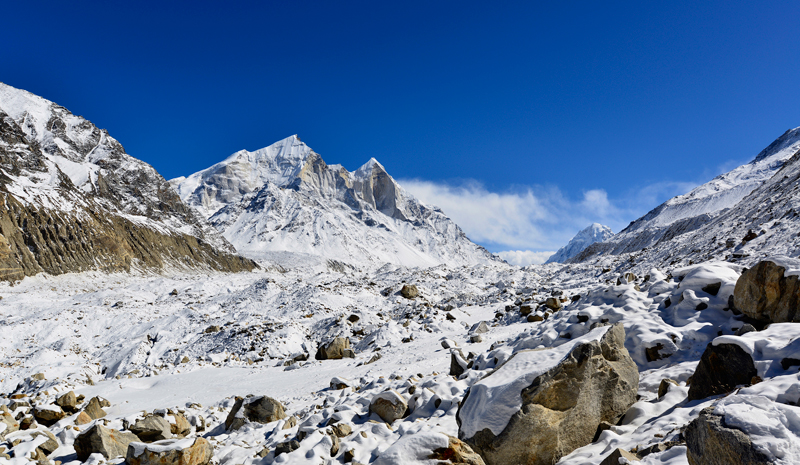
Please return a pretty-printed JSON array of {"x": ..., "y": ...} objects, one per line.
[
  {"x": 286, "y": 447},
  {"x": 48, "y": 415},
  {"x": 479, "y": 328},
  {"x": 664, "y": 386},
  {"x": 712, "y": 288},
  {"x": 94, "y": 408},
  {"x": 710, "y": 442},
  {"x": 181, "y": 427},
  {"x": 457, "y": 452},
  {"x": 68, "y": 402},
  {"x": 561, "y": 408},
  {"x": 552, "y": 303},
  {"x": 49, "y": 446},
  {"x": 763, "y": 293},
  {"x": 389, "y": 405},
  {"x": 614, "y": 457},
  {"x": 196, "y": 451},
  {"x": 108, "y": 442},
  {"x": 341, "y": 430},
  {"x": 152, "y": 428},
  {"x": 409, "y": 291},
  {"x": 333, "y": 350},
  {"x": 260, "y": 409},
  {"x": 722, "y": 367},
  {"x": 457, "y": 363},
  {"x": 11, "y": 424},
  {"x": 290, "y": 423},
  {"x": 83, "y": 419}
]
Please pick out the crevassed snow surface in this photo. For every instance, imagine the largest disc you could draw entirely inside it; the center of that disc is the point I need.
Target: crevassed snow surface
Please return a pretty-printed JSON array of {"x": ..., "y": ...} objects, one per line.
[{"x": 496, "y": 398}]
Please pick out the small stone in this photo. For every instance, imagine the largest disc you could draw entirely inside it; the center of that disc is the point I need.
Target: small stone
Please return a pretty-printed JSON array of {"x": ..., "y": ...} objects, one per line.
[
  {"x": 615, "y": 457},
  {"x": 389, "y": 406},
  {"x": 68, "y": 402},
  {"x": 475, "y": 338},
  {"x": 664, "y": 386},
  {"x": 290, "y": 423},
  {"x": 212, "y": 329}
]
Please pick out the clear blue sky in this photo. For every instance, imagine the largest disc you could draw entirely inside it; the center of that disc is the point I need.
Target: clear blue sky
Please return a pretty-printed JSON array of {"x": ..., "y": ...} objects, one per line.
[{"x": 556, "y": 99}]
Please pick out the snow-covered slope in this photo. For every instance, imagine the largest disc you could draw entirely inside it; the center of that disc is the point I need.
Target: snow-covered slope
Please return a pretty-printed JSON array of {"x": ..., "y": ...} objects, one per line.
[
  {"x": 86, "y": 194},
  {"x": 286, "y": 198},
  {"x": 728, "y": 204},
  {"x": 595, "y": 232}
]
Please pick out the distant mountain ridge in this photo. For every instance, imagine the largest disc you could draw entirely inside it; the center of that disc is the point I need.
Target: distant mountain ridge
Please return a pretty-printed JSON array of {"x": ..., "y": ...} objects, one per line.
[
  {"x": 284, "y": 197},
  {"x": 595, "y": 232},
  {"x": 711, "y": 221},
  {"x": 76, "y": 201}
]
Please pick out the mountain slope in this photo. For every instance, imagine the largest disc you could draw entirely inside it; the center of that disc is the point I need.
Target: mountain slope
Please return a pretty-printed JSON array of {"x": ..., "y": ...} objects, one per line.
[
  {"x": 768, "y": 209},
  {"x": 286, "y": 198},
  {"x": 595, "y": 232},
  {"x": 76, "y": 201}
]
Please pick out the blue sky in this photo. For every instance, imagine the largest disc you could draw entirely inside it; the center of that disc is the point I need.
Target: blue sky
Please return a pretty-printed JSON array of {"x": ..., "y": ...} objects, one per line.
[{"x": 525, "y": 121}]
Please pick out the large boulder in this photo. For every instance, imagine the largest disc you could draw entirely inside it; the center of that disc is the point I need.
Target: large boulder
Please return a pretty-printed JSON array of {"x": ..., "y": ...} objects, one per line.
[
  {"x": 542, "y": 404},
  {"x": 722, "y": 367},
  {"x": 197, "y": 451},
  {"x": 152, "y": 428},
  {"x": 409, "y": 291},
  {"x": 108, "y": 442},
  {"x": 710, "y": 442},
  {"x": 336, "y": 349},
  {"x": 260, "y": 409},
  {"x": 48, "y": 415},
  {"x": 68, "y": 402},
  {"x": 764, "y": 293}
]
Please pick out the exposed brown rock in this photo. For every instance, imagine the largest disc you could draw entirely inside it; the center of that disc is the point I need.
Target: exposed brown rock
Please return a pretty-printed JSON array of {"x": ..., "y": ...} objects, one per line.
[
  {"x": 763, "y": 293},
  {"x": 161, "y": 453}
]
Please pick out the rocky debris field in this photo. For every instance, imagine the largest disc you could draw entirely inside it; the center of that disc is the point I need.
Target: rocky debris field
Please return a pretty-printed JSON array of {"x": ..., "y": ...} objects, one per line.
[{"x": 487, "y": 364}]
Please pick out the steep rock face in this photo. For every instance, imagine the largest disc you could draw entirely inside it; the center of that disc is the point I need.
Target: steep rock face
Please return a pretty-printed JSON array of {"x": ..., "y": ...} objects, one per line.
[
  {"x": 75, "y": 201},
  {"x": 767, "y": 207},
  {"x": 286, "y": 198},
  {"x": 594, "y": 233}
]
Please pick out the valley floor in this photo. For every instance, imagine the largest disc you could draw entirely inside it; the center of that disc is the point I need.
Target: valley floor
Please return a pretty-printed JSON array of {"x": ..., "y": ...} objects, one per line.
[{"x": 192, "y": 342}]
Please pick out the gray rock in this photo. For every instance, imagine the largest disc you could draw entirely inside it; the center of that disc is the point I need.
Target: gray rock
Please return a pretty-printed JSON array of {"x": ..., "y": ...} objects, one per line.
[
  {"x": 94, "y": 408},
  {"x": 99, "y": 440},
  {"x": 479, "y": 328},
  {"x": 409, "y": 291},
  {"x": 152, "y": 428},
  {"x": 614, "y": 457},
  {"x": 260, "y": 409},
  {"x": 334, "y": 349},
  {"x": 763, "y": 293},
  {"x": 710, "y": 442},
  {"x": 286, "y": 447},
  {"x": 49, "y": 446},
  {"x": 562, "y": 408},
  {"x": 161, "y": 453},
  {"x": 746, "y": 328},
  {"x": 458, "y": 365},
  {"x": 68, "y": 402},
  {"x": 722, "y": 367},
  {"x": 341, "y": 430}
]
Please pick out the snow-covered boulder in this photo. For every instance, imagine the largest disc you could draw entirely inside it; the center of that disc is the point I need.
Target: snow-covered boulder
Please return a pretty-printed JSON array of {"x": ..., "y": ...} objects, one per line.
[
  {"x": 336, "y": 349},
  {"x": 770, "y": 291},
  {"x": 389, "y": 405},
  {"x": 744, "y": 429},
  {"x": 542, "y": 404},
  {"x": 152, "y": 428},
  {"x": 197, "y": 451},
  {"x": 423, "y": 448}
]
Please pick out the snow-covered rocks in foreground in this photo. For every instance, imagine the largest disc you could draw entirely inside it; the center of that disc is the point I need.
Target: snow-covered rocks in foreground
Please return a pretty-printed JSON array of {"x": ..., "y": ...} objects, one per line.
[
  {"x": 285, "y": 199},
  {"x": 190, "y": 353}
]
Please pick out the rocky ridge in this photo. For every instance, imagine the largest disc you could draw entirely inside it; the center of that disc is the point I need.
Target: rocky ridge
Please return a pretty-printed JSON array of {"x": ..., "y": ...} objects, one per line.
[{"x": 75, "y": 201}]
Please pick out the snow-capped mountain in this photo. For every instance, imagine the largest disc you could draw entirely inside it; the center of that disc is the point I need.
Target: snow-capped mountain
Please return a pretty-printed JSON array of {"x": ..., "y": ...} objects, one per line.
[
  {"x": 711, "y": 221},
  {"x": 595, "y": 232},
  {"x": 80, "y": 202},
  {"x": 286, "y": 198}
]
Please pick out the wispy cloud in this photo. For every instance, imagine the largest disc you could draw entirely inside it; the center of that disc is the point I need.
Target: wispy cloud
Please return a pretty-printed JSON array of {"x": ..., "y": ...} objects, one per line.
[
  {"x": 524, "y": 257},
  {"x": 525, "y": 223}
]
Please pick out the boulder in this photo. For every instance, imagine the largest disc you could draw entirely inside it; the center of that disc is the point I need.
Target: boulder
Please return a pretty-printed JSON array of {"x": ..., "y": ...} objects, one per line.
[
  {"x": 341, "y": 430},
  {"x": 197, "y": 451},
  {"x": 8, "y": 424},
  {"x": 764, "y": 293},
  {"x": 722, "y": 367},
  {"x": 99, "y": 440},
  {"x": 427, "y": 447},
  {"x": 458, "y": 365},
  {"x": 552, "y": 303},
  {"x": 286, "y": 447},
  {"x": 664, "y": 386},
  {"x": 409, "y": 291},
  {"x": 479, "y": 328},
  {"x": 181, "y": 427},
  {"x": 338, "y": 383},
  {"x": 334, "y": 349},
  {"x": 260, "y": 409},
  {"x": 83, "y": 419},
  {"x": 48, "y": 415},
  {"x": 542, "y": 404},
  {"x": 710, "y": 442},
  {"x": 50, "y": 445},
  {"x": 152, "y": 428},
  {"x": 389, "y": 405},
  {"x": 68, "y": 402},
  {"x": 94, "y": 408}
]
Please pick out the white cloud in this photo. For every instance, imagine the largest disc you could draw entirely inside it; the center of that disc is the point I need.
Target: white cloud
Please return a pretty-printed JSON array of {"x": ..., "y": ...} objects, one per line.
[
  {"x": 524, "y": 257},
  {"x": 529, "y": 219}
]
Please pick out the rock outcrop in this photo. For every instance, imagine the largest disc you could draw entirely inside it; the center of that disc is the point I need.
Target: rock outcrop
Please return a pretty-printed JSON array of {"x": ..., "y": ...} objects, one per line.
[
  {"x": 559, "y": 410},
  {"x": 764, "y": 293},
  {"x": 722, "y": 367}
]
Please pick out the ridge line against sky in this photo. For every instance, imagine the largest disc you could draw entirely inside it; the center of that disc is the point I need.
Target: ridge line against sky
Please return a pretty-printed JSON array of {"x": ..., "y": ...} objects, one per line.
[{"x": 543, "y": 117}]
